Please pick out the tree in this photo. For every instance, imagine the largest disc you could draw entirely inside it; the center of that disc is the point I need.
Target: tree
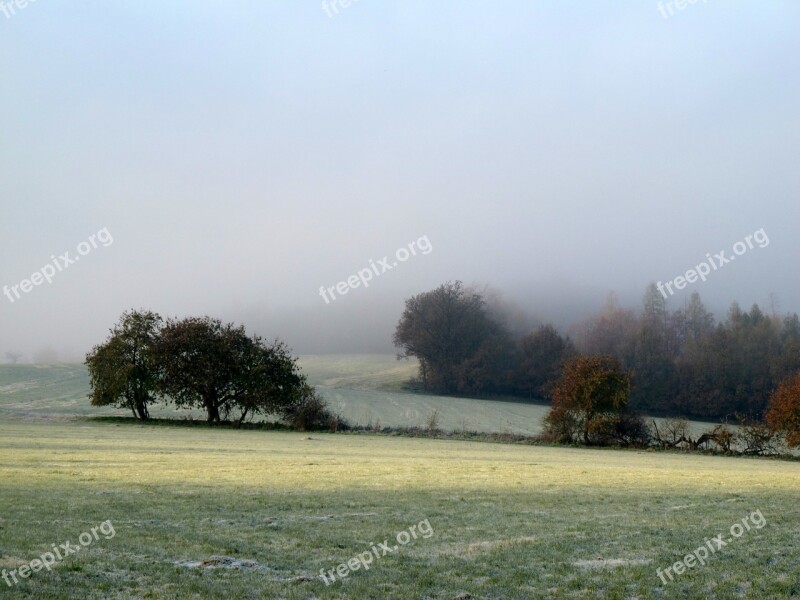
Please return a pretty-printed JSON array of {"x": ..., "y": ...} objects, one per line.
[
  {"x": 790, "y": 347},
  {"x": 218, "y": 368},
  {"x": 310, "y": 412},
  {"x": 13, "y": 357},
  {"x": 699, "y": 322},
  {"x": 612, "y": 332},
  {"x": 673, "y": 432},
  {"x": 543, "y": 354},
  {"x": 269, "y": 381},
  {"x": 446, "y": 329},
  {"x": 200, "y": 358},
  {"x": 651, "y": 362},
  {"x": 756, "y": 437},
  {"x": 122, "y": 370},
  {"x": 589, "y": 400},
  {"x": 490, "y": 368},
  {"x": 783, "y": 412}
]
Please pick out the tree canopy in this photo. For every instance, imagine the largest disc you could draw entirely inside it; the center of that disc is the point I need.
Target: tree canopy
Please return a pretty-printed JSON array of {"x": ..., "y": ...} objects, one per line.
[
  {"x": 783, "y": 414},
  {"x": 683, "y": 362},
  {"x": 459, "y": 347},
  {"x": 122, "y": 370},
  {"x": 199, "y": 362},
  {"x": 589, "y": 400}
]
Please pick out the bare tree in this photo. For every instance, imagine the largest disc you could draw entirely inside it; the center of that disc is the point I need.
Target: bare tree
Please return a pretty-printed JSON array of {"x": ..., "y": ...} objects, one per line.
[
  {"x": 13, "y": 357},
  {"x": 673, "y": 432}
]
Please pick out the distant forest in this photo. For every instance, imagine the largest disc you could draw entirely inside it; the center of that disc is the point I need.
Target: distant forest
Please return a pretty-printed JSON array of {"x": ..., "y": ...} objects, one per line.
[{"x": 682, "y": 362}]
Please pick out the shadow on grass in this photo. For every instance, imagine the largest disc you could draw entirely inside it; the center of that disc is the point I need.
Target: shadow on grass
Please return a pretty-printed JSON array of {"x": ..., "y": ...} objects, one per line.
[{"x": 193, "y": 423}]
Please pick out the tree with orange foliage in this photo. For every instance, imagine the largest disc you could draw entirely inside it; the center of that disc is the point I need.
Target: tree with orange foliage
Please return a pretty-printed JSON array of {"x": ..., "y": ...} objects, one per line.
[
  {"x": 590, "y": 404},
  {"x": 783, "y": 411}
]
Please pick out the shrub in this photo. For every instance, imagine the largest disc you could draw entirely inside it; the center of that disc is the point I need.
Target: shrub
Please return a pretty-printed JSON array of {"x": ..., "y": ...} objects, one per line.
[
  {"x": 631, "y": 430},
  {"x": 432, "y": 423},
  {"x": 589, "y": 402},
  {"x": 673, "y": 432},
  {"x": 721, "y": 435},
  {"x": 757, "y": 437},
  {"x": 310, "y": 412},
  {"x": 562, "y": 425},
  {"x": 783, "y": 412}
]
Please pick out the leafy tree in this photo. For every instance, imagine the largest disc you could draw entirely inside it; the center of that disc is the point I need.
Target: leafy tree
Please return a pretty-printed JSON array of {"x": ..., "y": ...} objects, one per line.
[
  {"x": 790, "y": 347},
  {"x": 448, "y": 330},
  {"x": 611, "y": 333},
  {"x": 589, "y": 399},
  {"x": 543, "y": 354},
  {"x": 199, "y": 357},
  {"x": 696, "y": 322},
  {"x": 490, "y": 369},
  {"x": 651, "y": 362},
  {"x": 269, "y": 381},
  {"x": 122, "y": 370},
  {"x": 218, "y": 368},
  {"x": 783, "y": 413}
]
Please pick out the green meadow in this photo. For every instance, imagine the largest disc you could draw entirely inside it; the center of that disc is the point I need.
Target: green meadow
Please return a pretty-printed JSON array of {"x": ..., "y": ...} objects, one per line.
[{"x": 203, "y": 512}]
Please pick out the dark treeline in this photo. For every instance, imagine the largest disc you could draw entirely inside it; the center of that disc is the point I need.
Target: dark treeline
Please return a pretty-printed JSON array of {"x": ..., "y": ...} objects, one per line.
[{"x": 682, "y": 361}]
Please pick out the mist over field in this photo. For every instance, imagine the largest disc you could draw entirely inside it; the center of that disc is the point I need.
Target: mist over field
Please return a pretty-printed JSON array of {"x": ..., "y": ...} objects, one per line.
[
  {"x": 242, "y": 155},
  {"x": 354, "y": 299}
]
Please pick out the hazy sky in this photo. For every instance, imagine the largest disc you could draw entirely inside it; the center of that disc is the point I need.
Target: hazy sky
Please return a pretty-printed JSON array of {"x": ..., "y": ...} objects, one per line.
[{"x": 241, "y": 154}]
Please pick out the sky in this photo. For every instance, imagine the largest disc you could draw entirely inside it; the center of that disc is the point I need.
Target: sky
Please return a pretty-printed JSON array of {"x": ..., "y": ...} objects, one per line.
[{"x": 242, "y": 154}]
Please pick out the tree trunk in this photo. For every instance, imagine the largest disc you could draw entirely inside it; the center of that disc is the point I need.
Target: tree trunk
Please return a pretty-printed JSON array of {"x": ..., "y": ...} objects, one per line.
[
  {"x": 142, "y": 411},
  {"x": 213, "y": 412}
]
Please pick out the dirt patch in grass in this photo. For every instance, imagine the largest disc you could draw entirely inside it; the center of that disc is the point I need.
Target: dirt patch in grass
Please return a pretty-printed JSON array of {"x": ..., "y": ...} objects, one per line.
[
  {"x": 240, "y": 564},
  {"x": 610, "y": 563},
  {"x": 482, "y": 547},
  {"x": 223, "y": 562}
]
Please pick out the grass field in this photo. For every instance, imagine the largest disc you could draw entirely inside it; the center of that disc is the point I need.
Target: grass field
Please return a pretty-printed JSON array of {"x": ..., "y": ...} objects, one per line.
[
  {"x": 364, "y": 389},
  {"x": 509, "y": 521}
]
